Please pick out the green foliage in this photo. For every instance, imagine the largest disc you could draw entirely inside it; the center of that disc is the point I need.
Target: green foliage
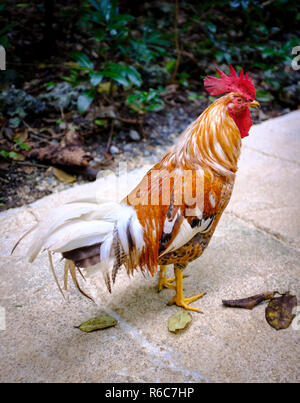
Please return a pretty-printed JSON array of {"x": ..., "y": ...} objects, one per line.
[
  {"x": 148, "y": 48},
  {"x": 22, "y": 145},
  {"x": 146, "y": 101},
  {"x": 255, "y": 35},
  {"x": 4, "y": 32},
  {"x": 84, "y": 70},
  {"x": 119, "y": 46},
  {"x": 85, "y": 100},
  {"x": 124, "y": 51},
  {"x": 192, "y": 96},
  {"x": 4, "y": 38},
  {"x": 264, "y": 96},
  {"x": 9, "y": 154},
  {"x": 183, "y": 79}
]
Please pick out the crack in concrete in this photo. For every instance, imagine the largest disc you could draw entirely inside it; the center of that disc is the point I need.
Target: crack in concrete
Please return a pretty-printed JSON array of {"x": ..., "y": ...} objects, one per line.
[
  {"x": 159, "y": 358},
  {"x": 267, "y": 231},
  {"x": 271, "y": 155}
]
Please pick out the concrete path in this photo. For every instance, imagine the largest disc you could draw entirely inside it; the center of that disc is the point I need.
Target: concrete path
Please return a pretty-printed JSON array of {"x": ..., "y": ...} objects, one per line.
[{"x": 256, "y": 248}]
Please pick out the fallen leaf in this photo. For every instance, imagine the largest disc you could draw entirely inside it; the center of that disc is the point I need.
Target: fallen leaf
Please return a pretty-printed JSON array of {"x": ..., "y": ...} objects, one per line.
[
  {"x": 21, "y": 136},
  {"x": 105, "y": 87},
  {"x": 279, "y": 312},
  {"x": 250, "y": 302},
  {"x": 61, "y": 155},
  {"x": 179, "y": 321},
  {"x": 102, "y": 322},
  {"x": 101, "y": 122},
  {"x": 71, "y": 138},
  {"x": 63, "y": 176},
  {"x": 16, "y": 156}
]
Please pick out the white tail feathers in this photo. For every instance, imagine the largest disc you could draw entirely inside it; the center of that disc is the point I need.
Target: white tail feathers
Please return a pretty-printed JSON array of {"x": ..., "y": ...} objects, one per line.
[
  {"x": 122, "y": 245},
  {"x": 85, "y": 223},
  {"x": 62, "y": 220}
]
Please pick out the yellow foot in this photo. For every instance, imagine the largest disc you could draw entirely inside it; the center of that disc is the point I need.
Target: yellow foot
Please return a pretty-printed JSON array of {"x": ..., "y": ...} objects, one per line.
[
  {"x": 184, "y": 302},
  {"x": 163, "y": 281},
  {"x": 166, "y": 283}
]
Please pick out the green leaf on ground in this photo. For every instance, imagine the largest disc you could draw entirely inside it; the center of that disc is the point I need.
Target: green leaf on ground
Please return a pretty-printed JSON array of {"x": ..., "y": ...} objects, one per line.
[
  {"x": 179, "y": 321},
  {"x": 84, "y": 101},
  {"x": 101, "y": 122},
  {"x": 62, "y": 176},
  {"x": 102, "y": 322}
]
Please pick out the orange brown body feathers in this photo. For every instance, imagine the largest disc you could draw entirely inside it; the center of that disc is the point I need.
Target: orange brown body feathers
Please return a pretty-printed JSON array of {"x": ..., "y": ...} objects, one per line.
[{"x": 170, "y": 217}]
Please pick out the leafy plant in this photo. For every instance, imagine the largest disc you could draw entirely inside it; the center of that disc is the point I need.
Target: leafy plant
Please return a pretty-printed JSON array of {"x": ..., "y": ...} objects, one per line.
[
  {"x": 146, "y": 101},
  {"x": 4, "y": 38},
  {"x": 149, "y": 47},
  {"x": 11, "y": 154},
  {"x": 119, "y": 47},
  {"x": 84, "y": 70},
  {"x": 23, "y": 146}
]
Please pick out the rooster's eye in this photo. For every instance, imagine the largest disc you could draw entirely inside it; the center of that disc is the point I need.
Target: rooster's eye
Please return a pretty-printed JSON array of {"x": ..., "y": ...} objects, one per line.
[{"x": 239, "y": 100}]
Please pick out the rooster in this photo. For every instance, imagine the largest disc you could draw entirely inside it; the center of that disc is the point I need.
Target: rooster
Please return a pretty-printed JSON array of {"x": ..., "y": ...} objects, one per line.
[{"x": 170, "y": 217}]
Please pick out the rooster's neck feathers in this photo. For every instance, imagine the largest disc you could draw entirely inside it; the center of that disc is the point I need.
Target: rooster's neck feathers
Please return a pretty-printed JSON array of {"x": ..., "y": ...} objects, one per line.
[{"x": 212, "y": 141}]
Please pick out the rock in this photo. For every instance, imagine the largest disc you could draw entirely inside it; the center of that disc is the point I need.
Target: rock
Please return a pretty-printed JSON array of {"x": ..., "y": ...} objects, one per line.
[
  {"x": 17, "y": 104},
  {"x": 114, "y": 150},
  {"x": 14, "y": 122},
  {"x": 62, "y": 96},
  {"x": 155, "y": 75},
  {"x": 103, "y": 112},
  {"x": 122, "y": 135},
  {"x": 134, "y": 135},
  {"x": 107, "y": 112},
  {"x": 290, "y": 95},
  {"x": 127, "y": 147}
]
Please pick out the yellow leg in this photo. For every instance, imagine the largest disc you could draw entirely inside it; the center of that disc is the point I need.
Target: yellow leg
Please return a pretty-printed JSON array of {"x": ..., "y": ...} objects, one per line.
[
  {"x": 163, "y": 281},
  {"x": 179, "y": 299}
]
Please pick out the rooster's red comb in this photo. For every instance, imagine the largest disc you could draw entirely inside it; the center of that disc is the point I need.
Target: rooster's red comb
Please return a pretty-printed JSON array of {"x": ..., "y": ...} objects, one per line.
[{"x": 241, "y": 84}]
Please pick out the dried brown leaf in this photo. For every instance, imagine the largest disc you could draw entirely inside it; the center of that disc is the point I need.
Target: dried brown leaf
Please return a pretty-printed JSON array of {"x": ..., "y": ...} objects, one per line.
[
  {"x": 71, "y": 155},
  {"x": 250, "y": 302},
  {"x": 21, "y": 136},
  {"x": 279, "y": 312}
]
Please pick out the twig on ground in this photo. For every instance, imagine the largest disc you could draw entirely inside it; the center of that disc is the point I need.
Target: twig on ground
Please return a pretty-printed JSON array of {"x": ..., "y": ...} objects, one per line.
[
  {"x": 30, "y": 164},
  {"x": 110, "y": 136}
]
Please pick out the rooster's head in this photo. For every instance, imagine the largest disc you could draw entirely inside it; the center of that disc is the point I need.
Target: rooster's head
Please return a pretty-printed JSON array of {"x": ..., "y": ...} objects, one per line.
[{"x": 241, "y": 96}]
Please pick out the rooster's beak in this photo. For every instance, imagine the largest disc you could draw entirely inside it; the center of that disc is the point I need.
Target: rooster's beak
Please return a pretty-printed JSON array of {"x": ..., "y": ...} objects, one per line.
[{"x": 254, "y": 104}]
